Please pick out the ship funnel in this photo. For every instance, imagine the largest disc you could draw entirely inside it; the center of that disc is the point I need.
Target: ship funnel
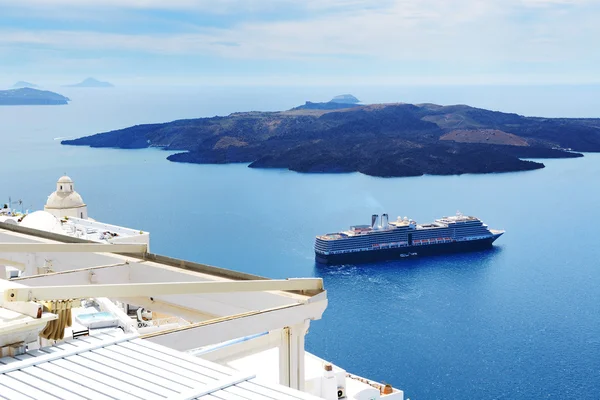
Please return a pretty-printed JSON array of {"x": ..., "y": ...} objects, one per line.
[
  {"x": 374, "y": 221},
  {"x": 384, "y": 221}
]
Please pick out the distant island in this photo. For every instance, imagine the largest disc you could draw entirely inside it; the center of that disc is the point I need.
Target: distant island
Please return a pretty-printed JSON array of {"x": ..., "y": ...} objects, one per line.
[
  {"x": 384, "y": 140},
  {"x": 29, "y": 97},
  {"x": 345, "y": 99},
  {"x": 91, "y": 83},
  {"x": 23, "y": 84},
  {"x": 338, "y": 102}
]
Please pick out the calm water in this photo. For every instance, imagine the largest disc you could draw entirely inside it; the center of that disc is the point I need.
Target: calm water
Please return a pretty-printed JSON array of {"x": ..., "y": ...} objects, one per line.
[{"x": 519, "y": 322}]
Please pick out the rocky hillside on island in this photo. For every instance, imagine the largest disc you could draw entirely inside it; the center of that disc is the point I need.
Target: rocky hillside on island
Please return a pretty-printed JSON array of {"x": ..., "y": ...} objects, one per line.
[
  {"x": 377, "y": 139},
  {"x": 31, "y": 97}
]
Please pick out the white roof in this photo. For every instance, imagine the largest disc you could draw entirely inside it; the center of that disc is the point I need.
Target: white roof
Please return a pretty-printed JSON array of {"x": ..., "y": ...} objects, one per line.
[
  {"x": 117, "y": 366},
  {"x": 65, "y": 179},
  {"x": 90, "y": 229},
  {"x": 87, "y": 229}
]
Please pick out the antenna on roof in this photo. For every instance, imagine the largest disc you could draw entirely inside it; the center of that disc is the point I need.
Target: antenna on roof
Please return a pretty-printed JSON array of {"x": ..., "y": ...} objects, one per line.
[{"x": 11, "y": 203}]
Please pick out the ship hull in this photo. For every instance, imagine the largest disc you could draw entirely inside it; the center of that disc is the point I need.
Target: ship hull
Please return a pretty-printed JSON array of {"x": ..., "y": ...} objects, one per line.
[{"x": 405, "y": 252}]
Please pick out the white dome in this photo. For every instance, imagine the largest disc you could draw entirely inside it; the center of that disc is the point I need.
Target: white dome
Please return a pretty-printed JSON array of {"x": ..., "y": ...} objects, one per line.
[
  {"x": 8, "y": 220},
  {"x": 61, "y": 200},
  {"x": 65, "y": 179},
  {"x": 65, "y": 201},
  {"x": 43, "y": 221}
]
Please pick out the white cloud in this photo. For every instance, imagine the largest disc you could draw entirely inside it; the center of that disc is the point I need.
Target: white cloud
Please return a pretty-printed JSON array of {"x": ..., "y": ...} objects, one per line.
[
  {"x": 473, "y": 33},
  {"x": 208, "y": 6},
  {"x": 406, "y": 30},
  {"x": 549, "y": 3}
]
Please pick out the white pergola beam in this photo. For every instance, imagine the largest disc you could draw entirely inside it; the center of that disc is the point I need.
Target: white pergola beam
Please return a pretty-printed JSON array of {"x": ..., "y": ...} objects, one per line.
[
  {"x": 130, "y": 248},
  {"x": 30, "y": 308},
  {"x": 192, "y": 315},
  {"x": 157, "y": 289},
  {"x": 224, "y": 353},
  {"x": 233, "y": 327},
  {"x": 105, "y": 274},
  {"x": 214, "y": 303},
  {"x": 192, "y": 307}
]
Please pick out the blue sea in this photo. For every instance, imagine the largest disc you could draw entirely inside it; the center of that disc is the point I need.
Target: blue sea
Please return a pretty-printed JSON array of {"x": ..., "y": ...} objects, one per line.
[{"x": 521, "y": 321}]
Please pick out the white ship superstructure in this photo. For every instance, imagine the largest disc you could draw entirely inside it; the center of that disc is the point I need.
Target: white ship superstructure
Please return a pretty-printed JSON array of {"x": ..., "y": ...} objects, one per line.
[
  {"x": 85, "y": 313},
  {"x": 389, "y": 240}
]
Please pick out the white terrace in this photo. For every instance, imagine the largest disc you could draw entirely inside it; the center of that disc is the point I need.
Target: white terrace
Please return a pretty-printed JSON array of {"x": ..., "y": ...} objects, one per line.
[{"x": 230, "y": 316}]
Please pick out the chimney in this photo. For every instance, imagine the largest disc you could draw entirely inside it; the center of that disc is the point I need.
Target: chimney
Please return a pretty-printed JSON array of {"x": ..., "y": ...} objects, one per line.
[
  {"x": 374, "y": 220},
  {"x": 384, "y": 221}
]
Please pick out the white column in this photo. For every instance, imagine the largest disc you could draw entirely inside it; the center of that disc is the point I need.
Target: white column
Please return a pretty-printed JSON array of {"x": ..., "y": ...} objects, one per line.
[
  {"x": 291, "y": 356},
  {"x": 284, "y": 357}
]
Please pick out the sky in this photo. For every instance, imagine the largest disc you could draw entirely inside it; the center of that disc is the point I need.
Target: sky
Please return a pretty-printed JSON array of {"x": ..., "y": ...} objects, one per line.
[{"x": 301, "y": 42}]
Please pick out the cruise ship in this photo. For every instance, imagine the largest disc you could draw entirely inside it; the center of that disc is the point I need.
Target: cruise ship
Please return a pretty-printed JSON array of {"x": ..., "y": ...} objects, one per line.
[
  {"x": 403, "y": 238},
  {"x": 88, "y": 312}
]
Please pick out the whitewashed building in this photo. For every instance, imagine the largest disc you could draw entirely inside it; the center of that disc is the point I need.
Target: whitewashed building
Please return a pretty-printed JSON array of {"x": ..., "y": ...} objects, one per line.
[
  {"x": 65, "y": 201},
  {"x": 87, "y": 312}
]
